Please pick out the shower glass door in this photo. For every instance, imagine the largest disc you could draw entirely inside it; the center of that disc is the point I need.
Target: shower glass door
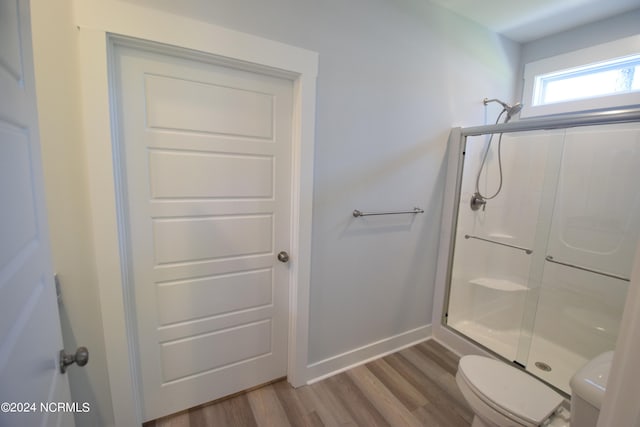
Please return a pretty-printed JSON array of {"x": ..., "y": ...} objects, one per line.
[{"x": 540, "y": 272}]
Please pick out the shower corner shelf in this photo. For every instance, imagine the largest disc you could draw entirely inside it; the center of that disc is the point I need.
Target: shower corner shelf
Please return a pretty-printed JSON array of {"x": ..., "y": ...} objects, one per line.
[{"x": 498, "y": 284}]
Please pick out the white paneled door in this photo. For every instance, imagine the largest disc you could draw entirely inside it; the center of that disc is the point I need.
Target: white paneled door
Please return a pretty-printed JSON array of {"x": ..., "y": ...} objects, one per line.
[
  {"x": 205, "y": 153},
  {"x": 30, "y": 336}
]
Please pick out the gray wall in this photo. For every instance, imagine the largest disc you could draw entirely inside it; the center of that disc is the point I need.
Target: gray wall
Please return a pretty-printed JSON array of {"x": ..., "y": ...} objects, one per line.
[
  {"x": 57, "y": 73},
  {"x": 393, "y": 78}
]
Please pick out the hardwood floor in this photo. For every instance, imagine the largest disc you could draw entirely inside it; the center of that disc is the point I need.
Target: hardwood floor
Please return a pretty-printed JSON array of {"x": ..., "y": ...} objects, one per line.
[{"x": 414, "y": 387}]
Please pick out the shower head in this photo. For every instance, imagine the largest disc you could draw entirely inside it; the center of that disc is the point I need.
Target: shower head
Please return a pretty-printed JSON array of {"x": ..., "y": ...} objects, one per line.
[
  {"x": 510, "y": 109},
  {"x": 513, "y": 109}
]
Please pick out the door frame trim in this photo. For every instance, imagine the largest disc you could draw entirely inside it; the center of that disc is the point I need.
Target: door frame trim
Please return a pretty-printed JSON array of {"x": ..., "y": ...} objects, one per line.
[{"x": 100, "y": 136}]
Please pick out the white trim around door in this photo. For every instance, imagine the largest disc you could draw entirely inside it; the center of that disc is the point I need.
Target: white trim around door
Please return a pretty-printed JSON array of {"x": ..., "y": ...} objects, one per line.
[{"x": 252, "y": 53}]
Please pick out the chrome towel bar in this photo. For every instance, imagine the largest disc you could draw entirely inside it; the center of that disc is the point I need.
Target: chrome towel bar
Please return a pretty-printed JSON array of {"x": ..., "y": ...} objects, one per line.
[
  {"x": 527, "y": 251},
  {"x": 589, "y": 270},
  {"x": 357, "y": 213}
]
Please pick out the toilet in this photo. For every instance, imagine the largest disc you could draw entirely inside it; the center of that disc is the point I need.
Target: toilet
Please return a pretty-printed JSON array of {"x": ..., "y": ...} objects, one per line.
[{"x": 503, "y": 396}]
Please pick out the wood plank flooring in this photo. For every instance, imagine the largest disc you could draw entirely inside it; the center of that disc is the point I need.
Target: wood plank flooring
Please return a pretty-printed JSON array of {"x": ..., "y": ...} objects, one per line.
[{"x": 414, "y": 387}]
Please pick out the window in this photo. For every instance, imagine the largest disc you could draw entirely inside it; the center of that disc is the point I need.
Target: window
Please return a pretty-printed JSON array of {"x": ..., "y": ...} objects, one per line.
[
  {"x": 621, "y": 75},
  {"x": 599, "y": 77}
]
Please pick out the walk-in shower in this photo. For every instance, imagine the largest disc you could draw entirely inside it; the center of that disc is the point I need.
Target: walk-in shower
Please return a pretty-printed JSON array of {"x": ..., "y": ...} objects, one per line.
[{"x": 539, "y": 276}]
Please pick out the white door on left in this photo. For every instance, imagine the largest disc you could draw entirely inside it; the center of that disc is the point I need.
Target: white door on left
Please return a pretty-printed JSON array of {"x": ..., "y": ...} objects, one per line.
[
  {"x": 207, "y": 173},
  {"x": 31, "y": 385}
]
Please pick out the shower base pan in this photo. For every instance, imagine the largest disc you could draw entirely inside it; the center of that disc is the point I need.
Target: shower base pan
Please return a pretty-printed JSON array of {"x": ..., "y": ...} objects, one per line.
[{"x": 563, "y": 363}]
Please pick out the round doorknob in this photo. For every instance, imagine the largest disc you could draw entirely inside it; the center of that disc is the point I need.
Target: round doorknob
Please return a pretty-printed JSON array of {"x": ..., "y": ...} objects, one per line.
[
  {"x": 80, "y": 358},
  {"x": 283, "y": 256}
]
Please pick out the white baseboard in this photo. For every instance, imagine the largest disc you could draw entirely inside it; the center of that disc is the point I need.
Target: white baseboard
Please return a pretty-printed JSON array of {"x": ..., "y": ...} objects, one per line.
[{"x": 334, "y": 365}]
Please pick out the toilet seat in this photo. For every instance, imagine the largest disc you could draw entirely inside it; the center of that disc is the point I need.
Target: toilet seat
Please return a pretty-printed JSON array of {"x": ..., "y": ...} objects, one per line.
[{"x": 513, "y": 394}]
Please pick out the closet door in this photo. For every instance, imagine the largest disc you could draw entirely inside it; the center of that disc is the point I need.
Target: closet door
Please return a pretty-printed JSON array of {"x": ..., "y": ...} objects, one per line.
[{"x": 207, "y": 167}]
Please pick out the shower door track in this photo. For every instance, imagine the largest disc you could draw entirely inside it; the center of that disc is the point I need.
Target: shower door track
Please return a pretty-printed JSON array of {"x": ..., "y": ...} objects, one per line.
[{"x": 563, "y": 121}]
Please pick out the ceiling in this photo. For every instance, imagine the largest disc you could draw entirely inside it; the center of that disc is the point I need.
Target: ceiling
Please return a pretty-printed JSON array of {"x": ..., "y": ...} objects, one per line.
[{"x": 527, "y": 20}]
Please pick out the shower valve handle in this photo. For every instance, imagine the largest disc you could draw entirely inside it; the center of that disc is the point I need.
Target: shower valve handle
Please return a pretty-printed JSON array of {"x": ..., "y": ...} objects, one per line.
[{"x": 478, "y": 201}]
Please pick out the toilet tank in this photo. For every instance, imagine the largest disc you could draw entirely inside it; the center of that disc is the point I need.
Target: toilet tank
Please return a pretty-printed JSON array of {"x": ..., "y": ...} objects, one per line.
[{"x": 587, "y": 390}]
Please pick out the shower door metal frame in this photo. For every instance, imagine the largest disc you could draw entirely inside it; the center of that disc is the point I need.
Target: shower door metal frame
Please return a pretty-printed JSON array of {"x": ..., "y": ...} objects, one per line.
[{"x": 455, "y": 163}]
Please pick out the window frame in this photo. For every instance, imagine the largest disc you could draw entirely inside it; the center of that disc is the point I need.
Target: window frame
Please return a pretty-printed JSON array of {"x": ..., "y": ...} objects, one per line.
[{"x": 571, "y": 60}]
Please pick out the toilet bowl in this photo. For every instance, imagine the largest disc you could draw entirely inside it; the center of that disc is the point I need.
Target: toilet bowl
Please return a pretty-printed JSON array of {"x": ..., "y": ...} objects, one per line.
[{"x": 503, "y": 396}]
